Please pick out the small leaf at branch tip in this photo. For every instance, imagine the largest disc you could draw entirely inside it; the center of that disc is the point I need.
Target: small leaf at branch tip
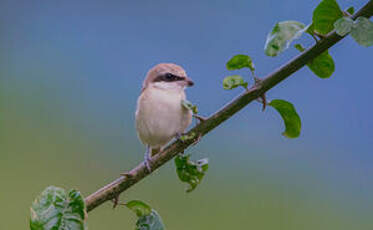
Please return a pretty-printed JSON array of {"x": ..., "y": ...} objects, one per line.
[
  {"x": 55, "y": 208},
  {"x": 139, "y": 207},
  {"x": 343, "y": 26},
  {"x": 323, "y": 65},
  {"x": 290, "y": 116},
  {"x": 188, "y": 105},
  {"x": 282, "y": 35},
  {"x": 189, "y": 171},
  {"x": 325, "y": 15},
  {"x": 234, "y": 81},
  {"x": 240, "y": 61},
  {"x": 362, "y": 31}
]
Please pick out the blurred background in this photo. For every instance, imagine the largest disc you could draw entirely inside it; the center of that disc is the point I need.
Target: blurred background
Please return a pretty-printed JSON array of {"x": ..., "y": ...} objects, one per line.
[{"x": 70, "y": 74}]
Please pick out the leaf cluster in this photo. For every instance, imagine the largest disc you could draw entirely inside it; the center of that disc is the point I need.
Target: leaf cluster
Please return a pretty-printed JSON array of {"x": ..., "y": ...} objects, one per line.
[
  {"x": 189, "y": 171},
  {"x": 56, "y": 209}
]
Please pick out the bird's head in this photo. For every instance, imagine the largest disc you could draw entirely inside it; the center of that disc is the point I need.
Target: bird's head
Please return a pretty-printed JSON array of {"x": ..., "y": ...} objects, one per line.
[{"x": 167, "y": 76}]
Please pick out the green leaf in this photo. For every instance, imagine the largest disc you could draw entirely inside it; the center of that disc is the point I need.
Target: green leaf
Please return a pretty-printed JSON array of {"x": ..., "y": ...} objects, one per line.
[
  {"x": 54, "y": 209},
  {"x": 234, "y": 81},
  {"x": 343, "y": 26},
  {"x": 290, "y": 117},
  {"x": 189, "y": 171},
  {"x": 240, "y": 61},
  {"x": 351, "y": 10},
  {"x": 152, "y": 221},
  {"x": 282, "y": 35},
  {"x": 323, "y": 65},
  {"x": 325, "y": 15},
  {"x": 148, "y": 218},
  {"x": 188, "y": 105},
  {"x": 139, "y": 207},
  {"x": 362, "y": 31}
]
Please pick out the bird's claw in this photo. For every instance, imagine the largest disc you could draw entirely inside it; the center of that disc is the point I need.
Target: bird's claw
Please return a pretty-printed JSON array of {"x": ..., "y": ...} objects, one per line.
[
  {"x": 147, "y": 163},
  {"x": 148, "y": 158}
]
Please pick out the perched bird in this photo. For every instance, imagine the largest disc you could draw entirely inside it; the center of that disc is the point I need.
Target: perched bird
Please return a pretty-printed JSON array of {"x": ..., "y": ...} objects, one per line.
[{"x": 160, "y": 115}]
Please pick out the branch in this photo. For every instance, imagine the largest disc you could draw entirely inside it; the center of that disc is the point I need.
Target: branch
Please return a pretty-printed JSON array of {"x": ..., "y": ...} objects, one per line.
[{"x": 115, "y": 188}]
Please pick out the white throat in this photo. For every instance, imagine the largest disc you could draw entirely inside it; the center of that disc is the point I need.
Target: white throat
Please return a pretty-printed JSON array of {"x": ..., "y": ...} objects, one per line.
[{"x": 174, "y": 86}]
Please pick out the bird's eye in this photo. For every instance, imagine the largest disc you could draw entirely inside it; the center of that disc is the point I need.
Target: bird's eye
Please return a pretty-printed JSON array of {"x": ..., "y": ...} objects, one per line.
[{"x": 169, "y": 77}]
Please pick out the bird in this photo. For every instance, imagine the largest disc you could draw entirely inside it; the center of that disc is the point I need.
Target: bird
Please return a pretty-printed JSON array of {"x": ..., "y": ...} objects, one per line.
[{"x": 160, "y": 116}]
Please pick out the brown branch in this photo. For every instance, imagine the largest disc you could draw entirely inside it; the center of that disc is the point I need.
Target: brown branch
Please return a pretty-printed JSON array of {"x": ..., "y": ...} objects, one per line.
[{"x": 112, "y": 190}]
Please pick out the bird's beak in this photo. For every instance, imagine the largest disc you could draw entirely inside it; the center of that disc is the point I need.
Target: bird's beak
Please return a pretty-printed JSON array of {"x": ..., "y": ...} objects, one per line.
[{"x": 189, "y": 82}]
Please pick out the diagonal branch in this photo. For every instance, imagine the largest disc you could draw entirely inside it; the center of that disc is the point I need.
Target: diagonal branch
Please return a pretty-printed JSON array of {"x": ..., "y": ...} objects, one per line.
[{"x": 112, "y": 190}]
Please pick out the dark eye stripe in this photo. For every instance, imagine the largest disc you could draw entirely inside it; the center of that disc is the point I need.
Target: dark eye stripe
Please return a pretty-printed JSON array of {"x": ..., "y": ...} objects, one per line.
[{"x": 168, "y": 77}]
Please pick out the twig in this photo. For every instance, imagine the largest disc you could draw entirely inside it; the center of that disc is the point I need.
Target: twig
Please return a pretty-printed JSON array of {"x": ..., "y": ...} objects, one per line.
[{"x": 112, "y": 190}]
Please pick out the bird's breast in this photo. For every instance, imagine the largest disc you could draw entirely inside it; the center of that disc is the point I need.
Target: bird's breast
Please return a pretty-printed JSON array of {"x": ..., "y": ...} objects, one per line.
[{"x": 160, "y": 115}]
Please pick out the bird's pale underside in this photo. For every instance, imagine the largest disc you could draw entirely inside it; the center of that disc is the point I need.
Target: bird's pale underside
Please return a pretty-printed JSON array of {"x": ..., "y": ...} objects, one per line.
[{"x": 160, "y": 115}]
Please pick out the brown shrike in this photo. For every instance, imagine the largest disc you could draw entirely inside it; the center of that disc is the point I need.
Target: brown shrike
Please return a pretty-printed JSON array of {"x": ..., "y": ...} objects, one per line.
[{"x": 160, "y": 115}]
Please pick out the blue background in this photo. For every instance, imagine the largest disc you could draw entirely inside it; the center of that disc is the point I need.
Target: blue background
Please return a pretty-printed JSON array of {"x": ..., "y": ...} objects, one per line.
[{"x": 70, "y": 74}]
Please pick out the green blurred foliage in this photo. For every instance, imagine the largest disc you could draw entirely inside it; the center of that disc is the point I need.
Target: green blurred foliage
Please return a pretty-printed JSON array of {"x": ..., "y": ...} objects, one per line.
[
  {"x": 56, "y": 209},
  {"x": 38, "y": 152}
]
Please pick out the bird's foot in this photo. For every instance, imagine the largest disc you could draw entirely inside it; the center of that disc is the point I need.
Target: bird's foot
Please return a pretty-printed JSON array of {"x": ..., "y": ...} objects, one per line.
[
  {"x": 148, "y": 158},
  {"x": 147, "y": 162}
]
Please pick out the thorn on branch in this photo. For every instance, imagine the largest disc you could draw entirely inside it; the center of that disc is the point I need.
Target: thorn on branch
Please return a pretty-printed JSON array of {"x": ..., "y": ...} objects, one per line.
[
  {"x": 115, "y": 201},
  {"x": 198, "y": 139},
  {"x": 127, "y": 175},
  {"x": 262, "y": 99},
  {"x": 320, "y": 36},
  {"x": 199, "y": 118}
]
